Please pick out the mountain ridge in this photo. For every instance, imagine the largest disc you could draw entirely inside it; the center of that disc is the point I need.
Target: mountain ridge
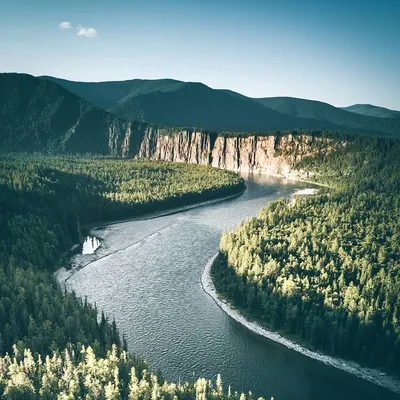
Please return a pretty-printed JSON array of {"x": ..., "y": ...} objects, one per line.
[
  {"x": 177, "y": 103},
  {"x": 39, "y": 115},
  {"x": 372, "y": 111},
  {"x": 321, "y": 111}
]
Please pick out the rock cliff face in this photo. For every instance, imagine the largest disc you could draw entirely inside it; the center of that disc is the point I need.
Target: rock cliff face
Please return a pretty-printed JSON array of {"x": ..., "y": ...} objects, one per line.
[
  {"x": 272, "y": 155},
  {"x": 41, "y": 116}
]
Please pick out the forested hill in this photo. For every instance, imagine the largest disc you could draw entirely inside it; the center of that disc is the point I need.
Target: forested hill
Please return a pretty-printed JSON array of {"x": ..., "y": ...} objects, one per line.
[
  {"x": 176, "y": 103},
  {"x": 107, "y": 95},
  {"x": 39, "y": 115},
  {"x": 78, "y": 375},
  {"x": 372, "y": 111},
  {"x": 326, "y": 269},
  {"x": 347, "y": 119},
  {"x": 42, "y": 201}
]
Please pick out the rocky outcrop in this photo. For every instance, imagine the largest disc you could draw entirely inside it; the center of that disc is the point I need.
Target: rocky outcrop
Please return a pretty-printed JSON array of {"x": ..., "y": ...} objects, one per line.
[
  {"x": 41, "y": 116},
  {"x": 273, "y": 155}
]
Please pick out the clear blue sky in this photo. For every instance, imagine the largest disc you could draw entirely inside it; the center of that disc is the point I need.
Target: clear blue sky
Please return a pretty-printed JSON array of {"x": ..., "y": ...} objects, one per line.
[{"x": 339, "y": 51}]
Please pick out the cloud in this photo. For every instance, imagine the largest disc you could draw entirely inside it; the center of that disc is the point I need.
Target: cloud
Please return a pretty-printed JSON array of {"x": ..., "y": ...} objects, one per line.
[
  {"x": 88, "y": 32},
  {"x": 65, "y": 25}
]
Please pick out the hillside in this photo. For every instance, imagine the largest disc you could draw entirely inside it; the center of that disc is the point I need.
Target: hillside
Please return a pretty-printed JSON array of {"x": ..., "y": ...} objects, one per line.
[
  {"x": 324, "y": 270},
  {"x": 320, "y": 111},
  {"x": 39, "y": 115},
  {"x": 195, "y": 104},
  {"x": 176, "y": 103},
  {"x": 372, "y": 111},
  {"x": 107, "y": 95},
  {"x": 43, "y": 202}
]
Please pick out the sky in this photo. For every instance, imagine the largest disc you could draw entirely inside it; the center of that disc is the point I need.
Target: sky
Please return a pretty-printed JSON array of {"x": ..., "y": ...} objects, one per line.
[{"x": 338, "y": 51}]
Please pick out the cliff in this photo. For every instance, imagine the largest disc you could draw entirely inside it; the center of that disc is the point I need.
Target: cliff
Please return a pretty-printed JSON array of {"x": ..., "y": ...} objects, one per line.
[
  {"x": 273, "y": 155},
  {"x": 41, "y": 116}
]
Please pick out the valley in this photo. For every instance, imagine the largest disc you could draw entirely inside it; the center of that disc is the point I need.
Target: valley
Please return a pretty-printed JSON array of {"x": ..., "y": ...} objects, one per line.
[
  {"x": 321, "y": 270},
  {"x": 152, "y": 288}
]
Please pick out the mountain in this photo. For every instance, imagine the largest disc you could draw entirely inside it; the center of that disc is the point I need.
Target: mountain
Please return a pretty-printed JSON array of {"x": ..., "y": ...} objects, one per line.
[
  {"x": 107, "y": 95},
  {"x": 176, "y": 103},
  {"x": 372, "y": 111},
  {"x": 40, "y": 115},
  {"x": 324, "y": 112},
  {"x": 195, "y": 104}
]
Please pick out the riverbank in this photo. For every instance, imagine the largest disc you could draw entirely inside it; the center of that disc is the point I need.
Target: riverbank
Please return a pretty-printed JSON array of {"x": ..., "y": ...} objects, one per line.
[
  {"x": 63, "y": 274},
  {"x": 371, "y": 375}
]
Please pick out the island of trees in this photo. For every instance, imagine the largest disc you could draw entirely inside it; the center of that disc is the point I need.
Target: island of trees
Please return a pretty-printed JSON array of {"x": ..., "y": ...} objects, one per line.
[{"x": 326, "y": 269}]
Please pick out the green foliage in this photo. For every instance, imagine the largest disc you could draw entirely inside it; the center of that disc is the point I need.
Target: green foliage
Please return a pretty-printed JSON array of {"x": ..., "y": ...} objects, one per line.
[
  {"x": 83, "y": 375},
  {"x": 108, "y": 94},
  {"x": 372, "y": 111},
  {"x": 43, "y": 200},
  {"x": 321, "y": 112},
  {"x": 326, "y": 268},
  {"x": 39, "y": 115},
  {"x": 176, "y": 103}
]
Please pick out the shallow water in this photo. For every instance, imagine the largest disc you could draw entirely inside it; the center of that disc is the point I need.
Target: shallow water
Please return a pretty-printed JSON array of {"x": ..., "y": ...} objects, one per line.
[{"x": 148, "y": 278}]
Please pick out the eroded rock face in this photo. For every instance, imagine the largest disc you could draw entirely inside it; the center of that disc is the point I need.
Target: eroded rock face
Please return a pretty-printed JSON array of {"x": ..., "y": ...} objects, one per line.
[
  {"x": 184, "y": 146},
  {"x": 272, "y": 155}
]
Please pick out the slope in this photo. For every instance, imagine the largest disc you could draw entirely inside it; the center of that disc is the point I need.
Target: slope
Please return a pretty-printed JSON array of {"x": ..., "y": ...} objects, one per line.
[
  {"x": 108, "y": 94},
  {"x": 177, "y": 103},
  {"x": 372, "y": 111},
  {"x": 39, "y": 115},
  {"x": 320, "y": 111},
  {"x": 194, "y": 104}
]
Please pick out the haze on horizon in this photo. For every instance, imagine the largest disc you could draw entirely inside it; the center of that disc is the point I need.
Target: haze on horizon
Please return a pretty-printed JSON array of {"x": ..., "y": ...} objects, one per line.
[{"x": 341, "y": 52}]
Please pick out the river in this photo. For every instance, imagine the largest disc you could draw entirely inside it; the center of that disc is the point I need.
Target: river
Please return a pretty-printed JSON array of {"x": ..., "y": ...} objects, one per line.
[{"x": 147, "y": 275}]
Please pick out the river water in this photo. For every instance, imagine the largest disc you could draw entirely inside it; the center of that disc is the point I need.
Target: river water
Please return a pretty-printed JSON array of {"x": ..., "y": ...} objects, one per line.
[{"x": 147, "y": 276}]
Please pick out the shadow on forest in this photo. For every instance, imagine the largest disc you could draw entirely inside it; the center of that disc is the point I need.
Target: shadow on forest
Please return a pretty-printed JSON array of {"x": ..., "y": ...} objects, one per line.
[{"x": 334, "y": 331}]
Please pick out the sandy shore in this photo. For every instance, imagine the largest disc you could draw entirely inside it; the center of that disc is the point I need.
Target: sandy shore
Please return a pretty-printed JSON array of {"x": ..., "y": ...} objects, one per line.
[
  {"x": 368, "y": 374},
  {"x": 63, "y": 274}
]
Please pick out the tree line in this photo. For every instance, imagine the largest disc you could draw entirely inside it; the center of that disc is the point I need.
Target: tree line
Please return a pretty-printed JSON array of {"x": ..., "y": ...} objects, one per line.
[
  {"x": 326, "y": 269},
  {"x": 43, "y": 200},
  {"x": 75, "y": 375}
]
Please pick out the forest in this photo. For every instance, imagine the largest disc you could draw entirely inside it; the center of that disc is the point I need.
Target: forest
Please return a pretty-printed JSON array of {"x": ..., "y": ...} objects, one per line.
[
  {"x": 325, "y": 270},
  {"x": 75, "y": 375},
  {"x": 43, "y": 201}
]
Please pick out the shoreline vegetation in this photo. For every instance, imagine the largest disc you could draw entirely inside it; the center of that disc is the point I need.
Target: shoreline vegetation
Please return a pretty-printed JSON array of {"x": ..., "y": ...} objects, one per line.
[
  {"x": 369, "y": 374},
  {"x": 324, "y": 269},
  {"x": 83, "y": 374},
  {"x": 51, "y": 198},
  {"x": 63, "y": 274},
  {"x": 43, "y": 202}
]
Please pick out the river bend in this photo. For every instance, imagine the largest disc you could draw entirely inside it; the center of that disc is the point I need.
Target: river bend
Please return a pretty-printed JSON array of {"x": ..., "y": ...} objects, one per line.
[{"x": 147, "y": 275}]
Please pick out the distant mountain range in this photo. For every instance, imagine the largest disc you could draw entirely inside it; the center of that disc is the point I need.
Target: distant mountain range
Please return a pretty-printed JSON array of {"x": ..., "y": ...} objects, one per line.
[
  {"x": 185, "y": 104},
  {"x": 372, "y": 111},
  {"x": 50, "y": 114},
  {"x": 176, "y": 103}
]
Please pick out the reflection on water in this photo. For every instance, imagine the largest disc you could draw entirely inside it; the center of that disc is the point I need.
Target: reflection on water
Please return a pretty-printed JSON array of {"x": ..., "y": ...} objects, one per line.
[{"x": 148, "y": 278}]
